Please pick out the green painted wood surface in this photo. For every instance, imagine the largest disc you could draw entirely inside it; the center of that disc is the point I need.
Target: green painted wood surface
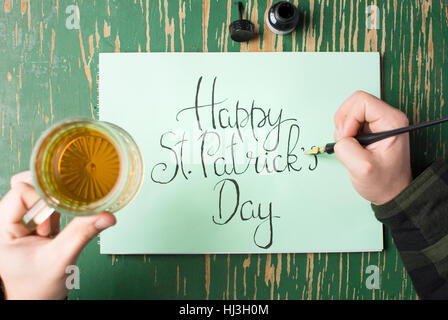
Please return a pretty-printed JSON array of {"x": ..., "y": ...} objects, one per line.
[{"x": 48, "y": 72}]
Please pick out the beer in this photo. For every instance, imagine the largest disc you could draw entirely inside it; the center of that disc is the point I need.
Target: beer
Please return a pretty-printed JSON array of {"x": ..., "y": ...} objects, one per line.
[{"x": 81, "y": 167}]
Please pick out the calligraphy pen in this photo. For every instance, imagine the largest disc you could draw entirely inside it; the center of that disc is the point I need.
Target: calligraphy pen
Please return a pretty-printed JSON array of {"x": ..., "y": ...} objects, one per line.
[{"x": 367, "y": 139}]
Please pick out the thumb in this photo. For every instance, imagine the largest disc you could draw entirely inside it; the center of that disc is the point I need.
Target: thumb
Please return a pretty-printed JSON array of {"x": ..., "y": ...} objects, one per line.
[
  {"x": 78, "y": 233},
  {"x": 357, "y": 160}
]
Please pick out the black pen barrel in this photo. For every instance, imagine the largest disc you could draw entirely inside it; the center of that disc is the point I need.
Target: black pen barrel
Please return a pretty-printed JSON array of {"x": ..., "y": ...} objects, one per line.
[{"x": 367, "y": 139}]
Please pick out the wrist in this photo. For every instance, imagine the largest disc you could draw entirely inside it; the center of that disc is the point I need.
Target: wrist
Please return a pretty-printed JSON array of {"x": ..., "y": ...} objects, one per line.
[
  {"x": 393, "y": 192},
  {"x": 423, "y": 181}
]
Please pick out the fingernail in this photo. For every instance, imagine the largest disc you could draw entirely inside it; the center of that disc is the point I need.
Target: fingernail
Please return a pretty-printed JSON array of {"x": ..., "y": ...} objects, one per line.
[
  {"x": 44, "y": 229},
  {"x": 103, "y": 223}
]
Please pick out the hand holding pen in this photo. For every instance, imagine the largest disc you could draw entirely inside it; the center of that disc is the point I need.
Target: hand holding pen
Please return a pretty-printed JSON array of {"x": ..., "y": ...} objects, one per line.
[{"x": 379, "y": 171}]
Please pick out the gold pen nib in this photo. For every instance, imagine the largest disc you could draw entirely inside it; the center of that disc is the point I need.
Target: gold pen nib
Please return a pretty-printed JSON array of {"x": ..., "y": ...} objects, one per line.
[{"x": 316, "y": 150}]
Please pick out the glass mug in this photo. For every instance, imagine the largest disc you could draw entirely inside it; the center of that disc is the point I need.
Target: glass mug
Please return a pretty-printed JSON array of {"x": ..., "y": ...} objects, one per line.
[{"x": 82, "y": 167}]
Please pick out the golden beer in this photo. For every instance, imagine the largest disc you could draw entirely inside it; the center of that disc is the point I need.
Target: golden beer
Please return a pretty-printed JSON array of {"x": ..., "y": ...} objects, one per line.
[{"x": 81, "y": 167}]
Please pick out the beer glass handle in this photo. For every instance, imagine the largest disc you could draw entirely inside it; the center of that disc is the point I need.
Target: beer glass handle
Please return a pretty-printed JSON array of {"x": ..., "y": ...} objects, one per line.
[{"x": 38, "y": 213}]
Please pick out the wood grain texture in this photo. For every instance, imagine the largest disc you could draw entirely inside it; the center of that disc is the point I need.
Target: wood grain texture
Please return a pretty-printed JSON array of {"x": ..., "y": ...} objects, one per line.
[{"x": 48, "y": 72}]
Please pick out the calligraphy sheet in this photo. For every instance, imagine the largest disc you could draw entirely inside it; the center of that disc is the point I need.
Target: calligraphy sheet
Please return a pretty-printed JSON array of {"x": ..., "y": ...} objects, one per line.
[{"x": 223, "y": 137}]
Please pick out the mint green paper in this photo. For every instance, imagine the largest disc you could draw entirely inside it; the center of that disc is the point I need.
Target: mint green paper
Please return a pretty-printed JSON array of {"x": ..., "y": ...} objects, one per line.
[{"x": 314, "y": 207}]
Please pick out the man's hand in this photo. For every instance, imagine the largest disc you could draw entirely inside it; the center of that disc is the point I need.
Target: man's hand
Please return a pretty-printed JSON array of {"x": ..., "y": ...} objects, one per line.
[
  {"x": 33, "y": 265},
  {"x": 380, "y": 171}
]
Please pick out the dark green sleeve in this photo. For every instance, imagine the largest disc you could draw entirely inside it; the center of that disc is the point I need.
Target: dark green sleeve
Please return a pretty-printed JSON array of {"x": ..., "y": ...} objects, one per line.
[{"x": 418, "y": 221}]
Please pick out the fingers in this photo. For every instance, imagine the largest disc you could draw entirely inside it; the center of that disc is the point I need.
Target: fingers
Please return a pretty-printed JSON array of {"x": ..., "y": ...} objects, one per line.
[
  {"x": 354, "y": 157},
  {"x": 78, "y": 233},
  {"x": 44, "y": 228},
  {"x": 21, "y": 184},
  {"x": 50, "y": 227},
  {"x": 24, "y": 176},
  {"x": 13, "y": 207},
  {"x": 355, "y": 101},
  {"x": 362, "y": 107},
  {"x": 17, "y": 202}
]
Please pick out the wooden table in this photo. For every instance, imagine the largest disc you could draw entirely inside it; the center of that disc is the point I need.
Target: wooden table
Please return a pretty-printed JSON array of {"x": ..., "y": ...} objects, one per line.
[{"x": 48, "y": 67}]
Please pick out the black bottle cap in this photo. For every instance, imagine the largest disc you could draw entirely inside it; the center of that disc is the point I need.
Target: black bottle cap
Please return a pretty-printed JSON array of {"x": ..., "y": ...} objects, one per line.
[
  {"x": 282, "y": 17},
  {"x": 241, "y": 30}
]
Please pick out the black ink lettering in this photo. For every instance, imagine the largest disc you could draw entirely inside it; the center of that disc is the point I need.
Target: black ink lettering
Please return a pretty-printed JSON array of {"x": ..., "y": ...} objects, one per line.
[
  {"x": 271, "y": 229},
  {"x": 267, "y": 127},
  {"x": 203, "y": 137},
  {"x": 237, "y": 195},
  {"x": 315, "y": 161},
  {"x": 289, "y": 163},
  {"x": 181, "y": 142},
  {"x": 213, "y": 103},
  {"x": 163, "y": 164},
  {"x": 197, "y": 103}
]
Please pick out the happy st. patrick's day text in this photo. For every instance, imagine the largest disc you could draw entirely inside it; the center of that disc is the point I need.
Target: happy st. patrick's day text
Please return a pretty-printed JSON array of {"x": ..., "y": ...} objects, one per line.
[{"x": 231, "y": 142}]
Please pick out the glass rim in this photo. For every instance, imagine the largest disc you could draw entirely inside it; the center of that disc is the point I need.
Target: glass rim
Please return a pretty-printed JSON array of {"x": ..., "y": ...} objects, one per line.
[{"x": 103, "y": 203}]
